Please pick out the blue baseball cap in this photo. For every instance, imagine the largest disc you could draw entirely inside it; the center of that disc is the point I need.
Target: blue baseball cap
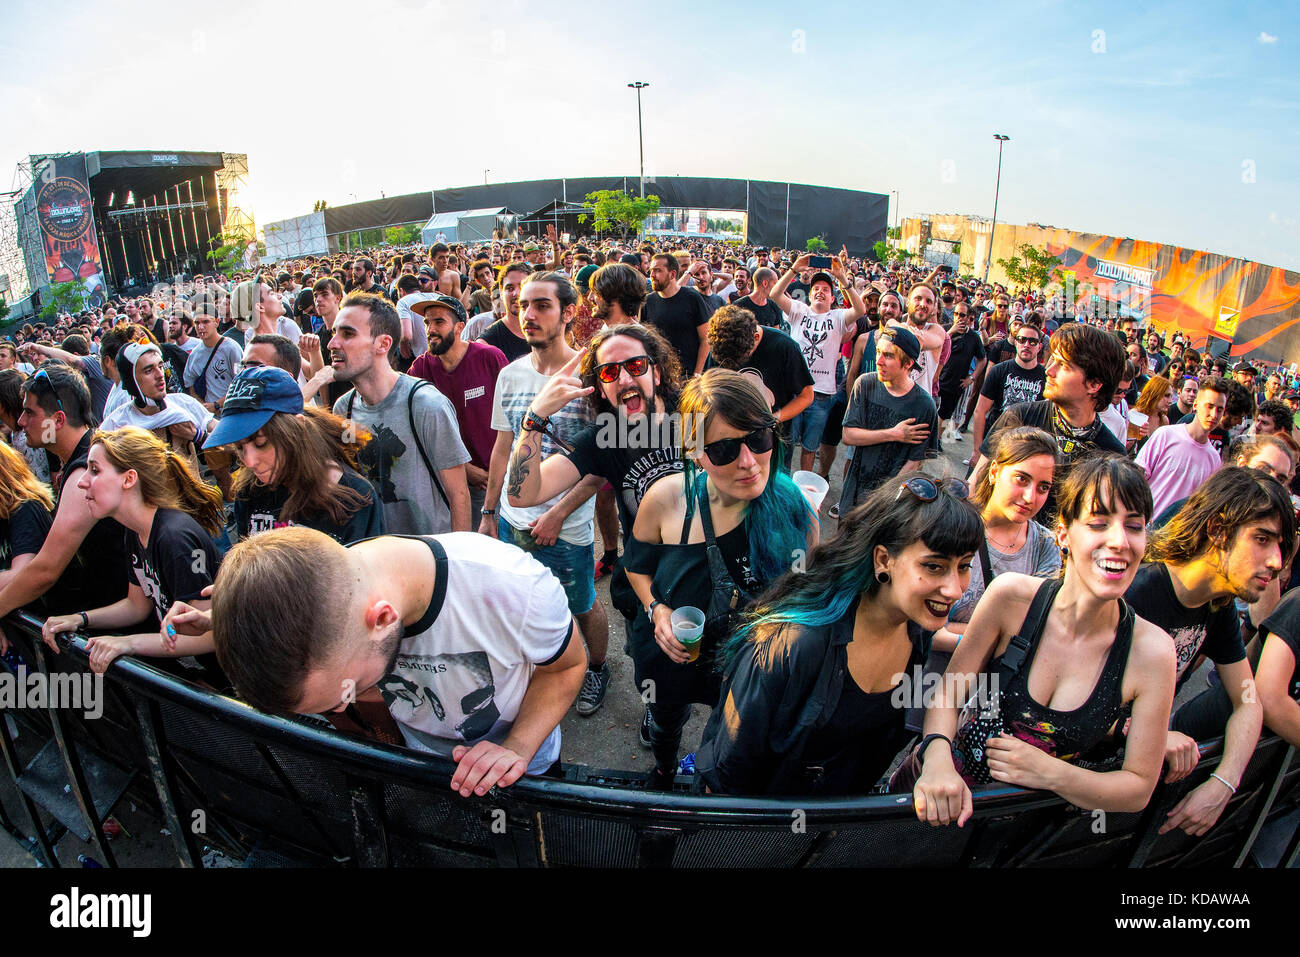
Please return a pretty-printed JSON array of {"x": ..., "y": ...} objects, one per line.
[{"x": 255, "y": 395}]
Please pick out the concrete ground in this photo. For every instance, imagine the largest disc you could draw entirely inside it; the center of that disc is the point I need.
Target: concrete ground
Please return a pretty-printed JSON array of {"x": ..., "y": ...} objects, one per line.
[{"x": 608, "y": 739}]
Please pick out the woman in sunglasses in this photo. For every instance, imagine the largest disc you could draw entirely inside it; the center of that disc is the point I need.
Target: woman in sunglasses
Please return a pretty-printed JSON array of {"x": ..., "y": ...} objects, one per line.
[
  {"x": 1069, "y": 660},
  {"x": 817, "y": 678},
  {"x": 710, "y": 537}
]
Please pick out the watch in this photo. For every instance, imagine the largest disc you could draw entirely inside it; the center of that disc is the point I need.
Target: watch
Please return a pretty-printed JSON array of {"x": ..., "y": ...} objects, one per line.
[{"x": 487, "y": 511}]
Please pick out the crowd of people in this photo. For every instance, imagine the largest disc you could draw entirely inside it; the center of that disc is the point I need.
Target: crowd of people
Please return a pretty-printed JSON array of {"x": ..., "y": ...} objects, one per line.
[{"x": 369, "y": 487}]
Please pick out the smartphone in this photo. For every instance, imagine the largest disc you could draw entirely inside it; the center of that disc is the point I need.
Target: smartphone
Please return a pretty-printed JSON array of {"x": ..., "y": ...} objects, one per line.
[{"x": 820, "y": 262}]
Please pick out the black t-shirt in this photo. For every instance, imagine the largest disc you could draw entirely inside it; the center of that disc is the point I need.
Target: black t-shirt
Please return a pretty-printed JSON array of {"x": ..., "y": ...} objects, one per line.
[
  {"x": 966, "y": 348},
  {"x": 500, "y": 335},
  {"x": 1000, "y": 350},
  {"x": 1072, "y": 443},
  {"x": 1285, "y": 623},
  {"x": 1007, "y": 384},
  {"x": 799, "y": 290},
  {"x": 1203, "y": 630},
  {"x": 632, "y": 462},
  {"x": 779, "y": 362},
  {"x": 24, "y": 531},
  {"x": 177, "y": 564},
  {"x": 259, "y": 510},
  {"x": 678, "y": 319},
  {"x": 769, "y": 314},
  {"x": 1135, "y": 389}
]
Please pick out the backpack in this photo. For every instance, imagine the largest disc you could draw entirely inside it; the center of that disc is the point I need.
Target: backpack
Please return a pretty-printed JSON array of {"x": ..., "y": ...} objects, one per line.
[{"x": 410, "y": 414}]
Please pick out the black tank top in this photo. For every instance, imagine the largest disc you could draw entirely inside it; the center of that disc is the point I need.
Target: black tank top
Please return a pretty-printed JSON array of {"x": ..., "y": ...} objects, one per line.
[{"x": 1012, "y": 711}]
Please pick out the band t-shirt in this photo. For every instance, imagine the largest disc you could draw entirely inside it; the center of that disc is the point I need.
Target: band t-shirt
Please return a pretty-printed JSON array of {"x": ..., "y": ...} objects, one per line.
[
  {"x": 463, "y": 669},
  {"x": 778, "y": 361},
  {"x": 966, "y": 348},
  {"x": 258, "y": 510},
  {"x": 1008, "y": 384},
  {"x": 1285, "y": 623},
  {"x": 678, "y": 318},
  {"x": 392, "y": 460},
  {"x": 177, "y": 564},
  {"x": 768, "y": 314},
  {"x": 24, "y": 531},
  {"x": 818, "y": 336},
  {"x": 1206, "y": 629}
]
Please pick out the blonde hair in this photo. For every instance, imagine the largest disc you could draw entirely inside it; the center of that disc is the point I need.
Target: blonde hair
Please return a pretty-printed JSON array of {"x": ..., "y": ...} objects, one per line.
[
  {"x": 165, "y": 477},
  {"x": 18, "y": 484}
]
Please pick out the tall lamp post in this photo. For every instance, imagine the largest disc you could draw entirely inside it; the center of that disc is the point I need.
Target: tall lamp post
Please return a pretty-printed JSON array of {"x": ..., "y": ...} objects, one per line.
[
  {"x": 639, "y": 86},
  {"x": 988, "y": 260},
  {"x": 485, "y": 172}
]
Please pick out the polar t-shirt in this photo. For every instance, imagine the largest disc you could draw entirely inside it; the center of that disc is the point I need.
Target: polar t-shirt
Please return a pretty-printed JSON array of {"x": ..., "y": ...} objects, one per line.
[
  {"x": 818, "y": 336},
  {"x": 463, "y": 669}
]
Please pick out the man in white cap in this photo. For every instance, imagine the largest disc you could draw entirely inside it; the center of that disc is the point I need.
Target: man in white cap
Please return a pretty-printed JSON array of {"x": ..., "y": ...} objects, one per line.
[{"x": 177, "y": 418}]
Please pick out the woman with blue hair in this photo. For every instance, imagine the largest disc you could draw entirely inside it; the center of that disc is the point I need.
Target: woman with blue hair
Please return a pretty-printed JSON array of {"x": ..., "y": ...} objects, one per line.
[
  {"x": 817, "y": 678},
  {"x": 710, "y": 537}
]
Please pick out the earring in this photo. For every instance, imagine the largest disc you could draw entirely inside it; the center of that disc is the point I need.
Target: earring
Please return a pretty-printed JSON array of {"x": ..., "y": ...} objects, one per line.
[
  {"x": 1065, "y": 551},
  {"x": 882, "y": 577}
]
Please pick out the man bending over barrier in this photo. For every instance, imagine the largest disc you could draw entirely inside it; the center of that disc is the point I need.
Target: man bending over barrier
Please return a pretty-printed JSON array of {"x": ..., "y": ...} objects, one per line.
[{"x": 469, "y": 640}]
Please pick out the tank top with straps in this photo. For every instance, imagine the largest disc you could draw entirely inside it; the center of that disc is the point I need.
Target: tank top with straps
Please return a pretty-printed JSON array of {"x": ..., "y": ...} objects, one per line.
[{"x": 1012, "y": 711}]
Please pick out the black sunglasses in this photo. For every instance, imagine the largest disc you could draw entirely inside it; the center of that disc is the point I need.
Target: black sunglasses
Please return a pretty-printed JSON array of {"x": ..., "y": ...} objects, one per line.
[
  {"x": 725, "y": 451},
  {"x": 1028, "y": 340},
  {"x": 927, "y": 489},
  {"x": 43, "y": 376},
  {"x": 636, "y": 366}
]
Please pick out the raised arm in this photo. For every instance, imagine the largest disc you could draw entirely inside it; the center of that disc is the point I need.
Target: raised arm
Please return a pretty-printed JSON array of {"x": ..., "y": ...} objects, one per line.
[{"x": 778, "y": 295}]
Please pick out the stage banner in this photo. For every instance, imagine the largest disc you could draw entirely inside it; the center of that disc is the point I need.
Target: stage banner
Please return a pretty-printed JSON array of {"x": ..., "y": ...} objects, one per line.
[{"x": 66, "y": 216}]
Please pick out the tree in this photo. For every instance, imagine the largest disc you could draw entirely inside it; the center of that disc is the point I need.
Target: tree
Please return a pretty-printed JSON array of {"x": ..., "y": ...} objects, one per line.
[
  {"x": 1032, "y": 269},
  {"x": 614, "y": 209},
  {"x": 880, "y": 249},
  {"x": 4, "y": 309},
  {"x": 67, "y": 297},
  {"x": 815, "y": 245},
  {"x": 402, "y": 235}
]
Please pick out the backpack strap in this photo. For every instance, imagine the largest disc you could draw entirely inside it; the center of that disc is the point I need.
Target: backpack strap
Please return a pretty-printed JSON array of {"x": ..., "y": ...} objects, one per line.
[{"x": 410, "y": 414}]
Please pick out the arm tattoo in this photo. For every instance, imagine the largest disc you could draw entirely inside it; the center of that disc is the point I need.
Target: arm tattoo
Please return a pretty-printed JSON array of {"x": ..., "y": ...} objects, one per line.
[{"x": 519, "y": 467}]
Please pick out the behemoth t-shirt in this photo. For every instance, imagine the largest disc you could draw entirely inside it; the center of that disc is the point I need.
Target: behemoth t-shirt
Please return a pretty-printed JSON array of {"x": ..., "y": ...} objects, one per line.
[
  {"x": 1008, "y": 384},
  {"x": 177, "y": 564},
  {"x": 1209, "y": 630},
  {"x": 463, "y": 669},
  {"x": 258, "y": 510}
]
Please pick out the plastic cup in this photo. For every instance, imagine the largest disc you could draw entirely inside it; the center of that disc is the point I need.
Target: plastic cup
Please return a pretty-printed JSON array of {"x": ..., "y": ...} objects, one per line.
[
  {"x": 688, "y": 628},
  {"x": 813, "y": 486}
]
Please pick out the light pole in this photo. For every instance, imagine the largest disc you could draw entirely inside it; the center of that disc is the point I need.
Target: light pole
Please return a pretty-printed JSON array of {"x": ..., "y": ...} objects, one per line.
[
  {"x": 485, "y": 172},
  {"x": 639, "y": 86},
  {"x": 988, "y": 260}
]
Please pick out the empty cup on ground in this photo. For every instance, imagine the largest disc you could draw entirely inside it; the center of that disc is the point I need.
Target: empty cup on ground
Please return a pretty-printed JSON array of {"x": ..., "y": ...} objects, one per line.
[
  {"x": 688, "y": 628},
  {"x": 813, "y": 486}
]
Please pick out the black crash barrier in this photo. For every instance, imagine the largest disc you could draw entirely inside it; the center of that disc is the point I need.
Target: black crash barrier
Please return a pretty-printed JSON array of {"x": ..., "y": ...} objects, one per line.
[{"x": 274, "y": 791}]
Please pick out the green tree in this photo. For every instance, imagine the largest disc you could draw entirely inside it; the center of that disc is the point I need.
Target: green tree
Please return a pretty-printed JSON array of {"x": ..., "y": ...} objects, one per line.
[
  {"x": 1032, "y": 269},
  {"x": 4, "y": 309},
  {"x": 65, "y": 297},
  {"x": 614, "y": 209},
  {"x": 402, "y": 235},
  {"x": 880, "y": 249},
  {"x": 815, "y": 245}
]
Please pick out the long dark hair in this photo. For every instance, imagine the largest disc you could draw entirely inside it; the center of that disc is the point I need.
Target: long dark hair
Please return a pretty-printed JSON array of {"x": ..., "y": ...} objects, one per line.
[
  {"x": 843, "y": 569},
  {"x": 657, "y": 348},
  {"x": 1229, "y": 500}
]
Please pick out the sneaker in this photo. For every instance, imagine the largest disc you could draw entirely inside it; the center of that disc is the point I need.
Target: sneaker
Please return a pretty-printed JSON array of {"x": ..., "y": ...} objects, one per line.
[
  {"x": 834, "y": 511},
  {"x": 605, "y": 566},
  {"x": 592, "y": 695},
  {"x": 644, "y": 733}
]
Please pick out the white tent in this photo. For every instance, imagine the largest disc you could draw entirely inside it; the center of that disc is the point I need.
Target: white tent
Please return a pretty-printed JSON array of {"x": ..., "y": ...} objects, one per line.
[{"x": 463, "y": 226}]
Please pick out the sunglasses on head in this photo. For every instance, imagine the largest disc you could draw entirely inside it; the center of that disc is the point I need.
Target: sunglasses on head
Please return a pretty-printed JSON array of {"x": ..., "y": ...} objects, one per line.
[
  {"x": 927, "y": 489},
  {"x": 43, "y": 376},
  {"x": 726, "y": 451},
  {"x": 636, "y": 366}
]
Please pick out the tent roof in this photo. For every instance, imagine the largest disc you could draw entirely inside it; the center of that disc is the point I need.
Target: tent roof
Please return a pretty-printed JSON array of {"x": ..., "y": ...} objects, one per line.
[{"x": 443, "y": 220}]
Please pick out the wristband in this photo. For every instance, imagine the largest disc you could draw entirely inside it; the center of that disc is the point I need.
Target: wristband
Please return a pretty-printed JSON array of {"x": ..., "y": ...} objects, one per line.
[
  {"x": 85, "y": 626},
  {"x": 487, "y": 511},
  {"x": 535, "y": 423},
  {"x": 1223, "y": 781},
  {"x": 920, "y": 748},
  {"x": 650, "y": 612}
]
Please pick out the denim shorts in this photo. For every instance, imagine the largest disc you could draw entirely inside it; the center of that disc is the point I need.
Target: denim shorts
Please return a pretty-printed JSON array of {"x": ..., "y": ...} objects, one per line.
[
  {"x": 573, "y": 565},
  {"x": 806, "y": 427}
]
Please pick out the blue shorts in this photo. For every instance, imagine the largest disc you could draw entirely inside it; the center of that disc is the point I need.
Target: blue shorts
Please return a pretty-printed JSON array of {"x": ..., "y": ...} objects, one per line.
[
  {"x": 806, "y": 427},
  {"x": 573, "y": 565}
]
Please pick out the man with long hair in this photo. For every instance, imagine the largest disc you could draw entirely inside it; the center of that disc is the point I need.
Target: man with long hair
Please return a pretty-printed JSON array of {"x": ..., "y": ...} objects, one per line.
[{"x": 1229, "y": 541}]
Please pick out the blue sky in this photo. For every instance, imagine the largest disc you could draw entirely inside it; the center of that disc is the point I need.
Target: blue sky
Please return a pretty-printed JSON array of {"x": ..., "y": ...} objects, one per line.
[{"x": 1167, "y": 122}]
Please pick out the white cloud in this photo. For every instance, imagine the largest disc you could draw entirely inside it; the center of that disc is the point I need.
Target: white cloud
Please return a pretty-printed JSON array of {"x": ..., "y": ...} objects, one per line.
[{"x": 1266, "y": 37}]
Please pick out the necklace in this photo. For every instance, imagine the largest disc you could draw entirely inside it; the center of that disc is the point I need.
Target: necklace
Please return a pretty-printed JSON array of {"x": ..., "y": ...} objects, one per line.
[{"x": 1006, "y": 547}]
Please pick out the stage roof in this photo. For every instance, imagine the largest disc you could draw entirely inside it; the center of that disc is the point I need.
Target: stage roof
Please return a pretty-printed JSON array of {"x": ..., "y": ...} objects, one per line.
[{"x": 147, "y": 172}]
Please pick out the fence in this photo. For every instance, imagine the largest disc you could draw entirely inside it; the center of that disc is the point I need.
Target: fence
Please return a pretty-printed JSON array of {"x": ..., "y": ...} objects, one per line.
[{"x": 270, "y": 790}]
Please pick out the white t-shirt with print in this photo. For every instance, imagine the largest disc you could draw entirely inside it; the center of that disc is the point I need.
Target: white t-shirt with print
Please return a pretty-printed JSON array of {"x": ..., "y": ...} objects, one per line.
[
  {"x": 461, "y": 677},
  {"x": 820, "y": 337}
]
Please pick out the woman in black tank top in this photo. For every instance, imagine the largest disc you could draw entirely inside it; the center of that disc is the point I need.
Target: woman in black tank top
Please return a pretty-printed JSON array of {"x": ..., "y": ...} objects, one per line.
[{"x": 1047, "y": 668}]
